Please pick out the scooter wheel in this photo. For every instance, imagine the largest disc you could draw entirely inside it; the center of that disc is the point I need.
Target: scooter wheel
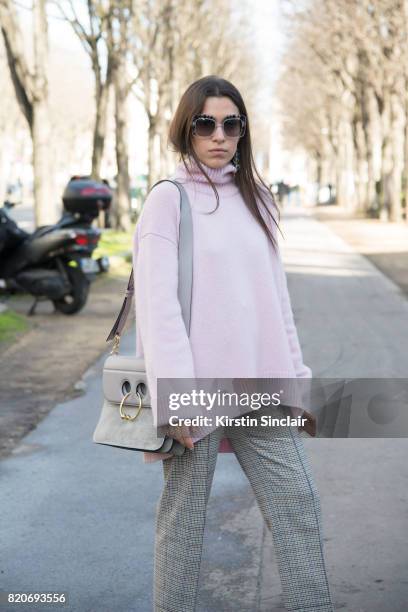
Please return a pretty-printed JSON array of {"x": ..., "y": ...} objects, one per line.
[{"x": 73, "y": 301}]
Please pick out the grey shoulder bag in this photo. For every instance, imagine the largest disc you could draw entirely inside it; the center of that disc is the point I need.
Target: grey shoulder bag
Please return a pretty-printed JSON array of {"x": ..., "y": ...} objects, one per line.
[{"x": 124, "y": 376}]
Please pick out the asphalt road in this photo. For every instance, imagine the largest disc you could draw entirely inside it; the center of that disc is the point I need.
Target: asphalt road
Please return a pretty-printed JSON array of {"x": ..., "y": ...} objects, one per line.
[{"x": 79, "y": 517}]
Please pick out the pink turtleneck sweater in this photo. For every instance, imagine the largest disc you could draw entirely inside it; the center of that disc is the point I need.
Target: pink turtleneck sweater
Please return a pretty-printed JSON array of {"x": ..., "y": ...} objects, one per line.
[{"x": 241, "y": 320}]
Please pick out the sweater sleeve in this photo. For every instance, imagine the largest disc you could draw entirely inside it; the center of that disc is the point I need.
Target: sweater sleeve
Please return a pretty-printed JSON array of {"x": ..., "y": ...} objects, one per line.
[
  {"x": 166, "y": 346},
  {"x": 301, "y": 369}
]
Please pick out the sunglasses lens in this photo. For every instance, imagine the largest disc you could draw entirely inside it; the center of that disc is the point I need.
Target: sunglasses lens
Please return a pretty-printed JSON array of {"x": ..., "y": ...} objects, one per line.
[
  {"x": 233, "y": 127},
  {"x": 204, "y": 126}
]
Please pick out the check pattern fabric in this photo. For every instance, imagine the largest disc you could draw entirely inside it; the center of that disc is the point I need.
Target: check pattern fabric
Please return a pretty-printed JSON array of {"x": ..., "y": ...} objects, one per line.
[{"x": 274, "y": 460}]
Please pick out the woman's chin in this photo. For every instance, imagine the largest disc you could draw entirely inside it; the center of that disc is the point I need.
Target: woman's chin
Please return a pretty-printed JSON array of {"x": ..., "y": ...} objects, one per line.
[{"x": 215, "y": 163}]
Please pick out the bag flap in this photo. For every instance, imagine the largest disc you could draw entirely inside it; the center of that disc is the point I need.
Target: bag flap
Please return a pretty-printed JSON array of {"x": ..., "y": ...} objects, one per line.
[
  {"x": 139, "y": 434},
  {"x": 123, "y": 374}
]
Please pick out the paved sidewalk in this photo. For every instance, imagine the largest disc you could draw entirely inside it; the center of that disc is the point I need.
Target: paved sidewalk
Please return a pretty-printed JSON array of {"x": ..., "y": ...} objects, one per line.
[
  {"x": 384, "y": 243},
  {"x": 80, "y": 517}
]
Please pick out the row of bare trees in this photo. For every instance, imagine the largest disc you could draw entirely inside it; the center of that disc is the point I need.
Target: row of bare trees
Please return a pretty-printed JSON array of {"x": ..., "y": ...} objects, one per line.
[
  {"x": 149, "y": 49},
  {"x": 344, "y": 98}
]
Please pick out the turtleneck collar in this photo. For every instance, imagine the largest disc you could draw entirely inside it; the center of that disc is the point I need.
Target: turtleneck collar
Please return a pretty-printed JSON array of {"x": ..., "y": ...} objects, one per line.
[{"x": 219, "y": 176}]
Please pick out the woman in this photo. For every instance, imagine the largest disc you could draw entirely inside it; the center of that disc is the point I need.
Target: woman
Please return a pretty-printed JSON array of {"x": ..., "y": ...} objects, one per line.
[{"x": 241, "y": 326}]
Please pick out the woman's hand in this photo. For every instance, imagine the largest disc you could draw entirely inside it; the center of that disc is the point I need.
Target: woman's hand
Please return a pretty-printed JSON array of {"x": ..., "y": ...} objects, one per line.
[
  {"x": 310, "y": 426},
  {"x": 181, "y": 433}
]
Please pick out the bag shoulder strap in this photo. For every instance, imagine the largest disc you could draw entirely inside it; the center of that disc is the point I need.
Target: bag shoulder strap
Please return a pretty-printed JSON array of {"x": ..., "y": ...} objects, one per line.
[{"x": 185, "y": 254}]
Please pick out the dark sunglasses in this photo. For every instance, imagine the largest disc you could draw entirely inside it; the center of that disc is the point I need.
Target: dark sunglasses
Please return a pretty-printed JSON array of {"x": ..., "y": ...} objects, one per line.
[{"x": 205, "y": 125}]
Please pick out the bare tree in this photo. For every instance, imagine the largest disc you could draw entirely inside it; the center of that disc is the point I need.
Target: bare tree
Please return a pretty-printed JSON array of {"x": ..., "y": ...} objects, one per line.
[
  {"x": 121, "y": 22},
  {"x": 106, "y": 39},
  {"x": 95, "y": 33},
  {"x": 31, "y": 89},
  {"x": 151, "y": 81}
]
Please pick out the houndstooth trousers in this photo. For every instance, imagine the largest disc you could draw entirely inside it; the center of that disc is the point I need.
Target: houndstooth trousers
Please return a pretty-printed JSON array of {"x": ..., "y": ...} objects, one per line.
[{"x": 274, "y": 461}]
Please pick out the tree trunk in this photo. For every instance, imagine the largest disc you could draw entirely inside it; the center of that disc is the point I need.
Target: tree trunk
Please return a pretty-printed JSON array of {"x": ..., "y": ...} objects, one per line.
[
  {"x": 405, "y": 106},
  {"x": 370, "y": 140},
  {"x": 99, "y": 134},
  {"x": 45, "y": 209},
  {"x": 386, "y": 162},
  {"x": 32, "y": 94},
  {"x": 397, "y": 152},
  {"x": 373, "y": 131},
  {"x": 405, "y": 173},
  {"x": 318, "y": 170},
  {"x": 166, "y": 156},
  {"x": 152, "y": 175},
  {"x": 44, "y": 185},
  {"x": 345, "y": 166},
  {"x": 360, "y": 168},
  {"x": 123, "y": 221}
]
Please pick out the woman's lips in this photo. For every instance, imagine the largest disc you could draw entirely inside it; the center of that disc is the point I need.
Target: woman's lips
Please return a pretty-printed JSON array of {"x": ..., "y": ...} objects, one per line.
[{"x": 218, "y": 152}]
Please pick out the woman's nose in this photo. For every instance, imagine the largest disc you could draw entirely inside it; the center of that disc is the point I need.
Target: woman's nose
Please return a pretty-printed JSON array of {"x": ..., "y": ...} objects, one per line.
[{"x": 219, "y": 133}]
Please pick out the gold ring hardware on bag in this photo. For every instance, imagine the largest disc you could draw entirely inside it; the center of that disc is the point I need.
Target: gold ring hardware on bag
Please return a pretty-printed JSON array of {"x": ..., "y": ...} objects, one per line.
[{"x": 127, "y": 416}]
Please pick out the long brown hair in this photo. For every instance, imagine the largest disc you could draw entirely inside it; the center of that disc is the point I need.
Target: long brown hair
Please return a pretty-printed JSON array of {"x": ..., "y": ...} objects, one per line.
[{"x": 180, "y": 137}]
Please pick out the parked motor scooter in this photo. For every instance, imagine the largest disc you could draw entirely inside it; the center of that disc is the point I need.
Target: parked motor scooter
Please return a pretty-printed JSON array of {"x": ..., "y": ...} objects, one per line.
[{"x": 55, "y": 261}]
